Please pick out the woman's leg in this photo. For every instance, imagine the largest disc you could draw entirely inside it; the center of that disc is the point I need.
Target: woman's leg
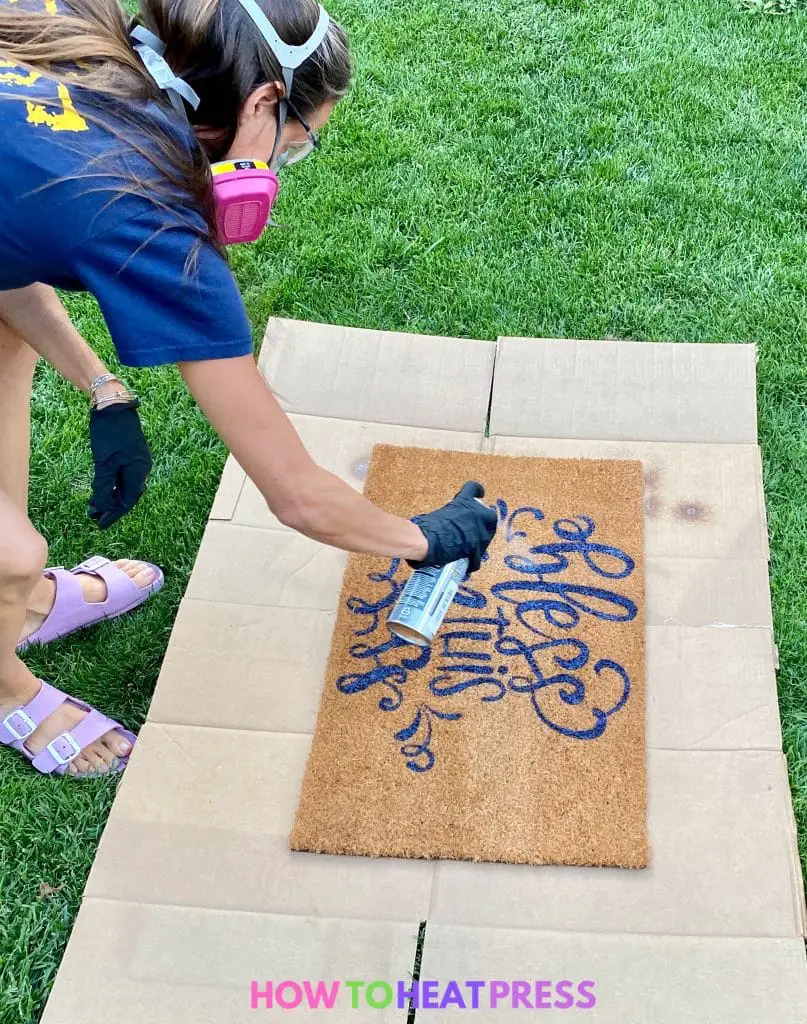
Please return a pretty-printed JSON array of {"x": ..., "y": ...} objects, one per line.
[
  {"x": 22, "y": 558},
  {"x": 17, "y": 363}
]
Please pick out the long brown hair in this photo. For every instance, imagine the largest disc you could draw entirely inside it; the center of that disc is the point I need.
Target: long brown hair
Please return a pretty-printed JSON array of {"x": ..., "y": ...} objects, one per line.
[{"x": 212, "y": 44}]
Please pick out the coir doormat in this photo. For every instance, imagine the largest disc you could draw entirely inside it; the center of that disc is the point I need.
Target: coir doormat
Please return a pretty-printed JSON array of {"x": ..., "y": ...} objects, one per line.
[{"x": 519, "y": 735}]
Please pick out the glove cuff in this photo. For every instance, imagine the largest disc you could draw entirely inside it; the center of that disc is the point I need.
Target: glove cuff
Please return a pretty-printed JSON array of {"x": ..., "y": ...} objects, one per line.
[
  {"x": 421, "y": 523},
  {"x": 107, "y": 411}
]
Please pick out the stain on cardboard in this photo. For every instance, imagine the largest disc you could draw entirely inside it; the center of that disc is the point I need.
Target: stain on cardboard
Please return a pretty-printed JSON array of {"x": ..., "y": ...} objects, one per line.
[
  {"x": 653, "y": 506},
  {"x": 692, "y": 512},
  {"x": 652, "y": 477},
  {"x": 519, "y": 735}
]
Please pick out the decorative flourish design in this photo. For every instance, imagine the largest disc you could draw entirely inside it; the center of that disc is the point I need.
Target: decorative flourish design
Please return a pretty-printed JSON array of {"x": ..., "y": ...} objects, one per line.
[
  {"x": 478, "y": 654},
  {"x": 420, "y": 757}
]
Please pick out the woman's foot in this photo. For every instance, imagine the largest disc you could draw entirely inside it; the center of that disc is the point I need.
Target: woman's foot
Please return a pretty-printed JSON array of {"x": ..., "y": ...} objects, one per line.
[
  {"x": 97, "y": 758},
  {"x": 93, "y": 587}
]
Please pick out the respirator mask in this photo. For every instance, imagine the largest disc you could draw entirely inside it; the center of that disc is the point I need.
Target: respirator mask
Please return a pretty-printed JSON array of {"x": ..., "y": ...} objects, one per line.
[{"x": 244, "y": 190}]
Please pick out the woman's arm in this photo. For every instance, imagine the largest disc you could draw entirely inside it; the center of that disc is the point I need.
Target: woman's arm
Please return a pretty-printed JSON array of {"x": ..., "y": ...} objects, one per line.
[
  {"x": 120, "y": 453},
  {"x": 242, "y": 409},
  {"x": 36, "y": 314}
]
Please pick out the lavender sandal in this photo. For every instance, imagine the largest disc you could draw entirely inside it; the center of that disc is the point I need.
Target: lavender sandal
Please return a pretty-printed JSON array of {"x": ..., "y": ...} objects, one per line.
[
  {"x": 19, "y": 724},
  {"x": 71, "y": 612}
]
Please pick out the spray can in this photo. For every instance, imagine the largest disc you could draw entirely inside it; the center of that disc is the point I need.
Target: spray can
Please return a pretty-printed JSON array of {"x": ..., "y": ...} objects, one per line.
[{"x": 425, "y": 600}]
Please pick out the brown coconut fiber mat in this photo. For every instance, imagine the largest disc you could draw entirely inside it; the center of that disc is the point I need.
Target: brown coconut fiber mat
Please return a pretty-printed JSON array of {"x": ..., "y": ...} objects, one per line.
[{"x": 519, "y": 735}]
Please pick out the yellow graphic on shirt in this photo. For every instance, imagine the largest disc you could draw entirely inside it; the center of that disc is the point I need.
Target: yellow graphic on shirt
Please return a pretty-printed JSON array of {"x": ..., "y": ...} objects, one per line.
[
  {"x": 50, "y": 6},
  {"x": 59, "y": 116},
  {"x": 17, "y": 77},
  {"x": 68, "y": 120}
]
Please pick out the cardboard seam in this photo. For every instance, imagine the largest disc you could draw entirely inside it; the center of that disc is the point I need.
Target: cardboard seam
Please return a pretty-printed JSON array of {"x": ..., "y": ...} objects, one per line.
[
  {"x": 712, "y": 442},
  {"x": 797, "y": 877},
  {"x": 228, "y": 519},
  {"x": 677, "y": 624},
  {"x": 617, "y": 440},
  {"x": 492, "y": 386},
  {"x": 390, "y": 423},
  {"x": 557, "y": 933},
  {"x": 262, "y": 529},
  {"x": 285, "y": 607},
  {"x": 712, "y": 936},
  {"x": 108, "y": 901},
  {"x": 256, "y": 913},
  {"x": 716, "y": 750},
  {"x": 762, "y": 506},
  {"x": 382, "y": 423},
  {"x": 303, "y": 609},
  {"x": 711, "y": 558},
  {"x": 224, "y": 729}
]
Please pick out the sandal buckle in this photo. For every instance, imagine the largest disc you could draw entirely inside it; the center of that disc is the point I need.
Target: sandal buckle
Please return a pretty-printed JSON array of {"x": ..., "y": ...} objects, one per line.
[
  {"x": 57, "y": 756},
  {"x": 94, "y": 563},
  {"x": 23, "y": 718}
]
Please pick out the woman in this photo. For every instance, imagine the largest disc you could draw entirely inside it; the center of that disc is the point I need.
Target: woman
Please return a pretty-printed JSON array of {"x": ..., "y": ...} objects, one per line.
[{"x": 109, "y": 129}]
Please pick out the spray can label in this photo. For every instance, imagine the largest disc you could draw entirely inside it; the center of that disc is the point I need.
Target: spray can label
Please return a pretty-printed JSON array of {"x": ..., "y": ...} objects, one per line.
[{"x": 425, "y": 600}]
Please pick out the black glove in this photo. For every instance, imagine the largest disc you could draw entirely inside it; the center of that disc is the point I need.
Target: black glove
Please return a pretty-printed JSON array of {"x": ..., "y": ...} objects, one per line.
[
  {"x": 122, "y": 462},
  {"x": 461, "y": 529}
]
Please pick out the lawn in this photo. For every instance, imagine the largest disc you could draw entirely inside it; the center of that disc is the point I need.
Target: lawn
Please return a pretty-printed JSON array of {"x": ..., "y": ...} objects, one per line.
[{"x": 571, "y": 168}]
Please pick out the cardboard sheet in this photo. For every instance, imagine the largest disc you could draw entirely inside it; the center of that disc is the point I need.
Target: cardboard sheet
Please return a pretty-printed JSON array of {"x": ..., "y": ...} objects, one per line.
[
  {"x": 715, "y": 592},
  {"x": 244, "y": 565},
  {"x": 711, "y": 689},
  {"x": 625, "y": 390},
  {"x": 241, "y": 565},
  {"x": 379, "y": 376},
  {"x": 194, "y": 889},
  {"x": 232, "y": 480},
  {"x": 202, "y": 819},
  {"x": 273, "y": 660},
  {"x": 701, "y": 500},
  {"x": 176, "y": 965},
  {"x": 658, "y": 979}
]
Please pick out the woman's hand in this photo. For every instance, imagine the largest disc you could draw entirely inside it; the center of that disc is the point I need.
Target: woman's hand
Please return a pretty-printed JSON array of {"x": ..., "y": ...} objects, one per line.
[
  {"x": 122, "y": 461},
  {"x": 463, "y": 528},
  {"x": 120, "y": 453}
]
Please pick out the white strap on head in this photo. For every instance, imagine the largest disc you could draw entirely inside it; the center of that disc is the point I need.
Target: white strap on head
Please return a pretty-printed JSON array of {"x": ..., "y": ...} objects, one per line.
[
  {"x": 289, "y": 57},
  {"x": 151, "y": 48}
]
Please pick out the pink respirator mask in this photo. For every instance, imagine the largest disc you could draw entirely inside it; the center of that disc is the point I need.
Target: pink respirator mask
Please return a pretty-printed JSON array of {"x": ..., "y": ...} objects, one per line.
[{"x": 244, "y": 191}]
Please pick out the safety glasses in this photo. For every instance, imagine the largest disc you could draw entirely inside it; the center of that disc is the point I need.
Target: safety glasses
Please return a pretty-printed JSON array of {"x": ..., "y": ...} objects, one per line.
[{"x": 295, "y": 151}]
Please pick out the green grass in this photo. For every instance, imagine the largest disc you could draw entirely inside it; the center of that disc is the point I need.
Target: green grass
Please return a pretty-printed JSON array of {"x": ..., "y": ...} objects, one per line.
[
  {"x": 568, "y": 168},
  {"x": 774, "y": 7}
]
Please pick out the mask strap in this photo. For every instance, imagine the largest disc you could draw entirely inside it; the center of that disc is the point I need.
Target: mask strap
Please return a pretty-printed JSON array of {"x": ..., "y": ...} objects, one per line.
[
  {"x": 150, "y": 49},
  {"x": 289, "y": 57}
]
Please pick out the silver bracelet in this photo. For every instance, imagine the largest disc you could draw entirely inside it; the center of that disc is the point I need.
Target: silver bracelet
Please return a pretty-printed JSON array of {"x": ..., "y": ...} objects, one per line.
[
  {"x": 116, "y": 396},
  {"x": 125, "y": 394},
  {"x": 99, "y": 382}
]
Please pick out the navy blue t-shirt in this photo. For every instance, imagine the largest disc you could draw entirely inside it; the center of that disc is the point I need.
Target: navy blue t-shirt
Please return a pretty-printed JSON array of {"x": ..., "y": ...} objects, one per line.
[{"x": 66, "y": 221}]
